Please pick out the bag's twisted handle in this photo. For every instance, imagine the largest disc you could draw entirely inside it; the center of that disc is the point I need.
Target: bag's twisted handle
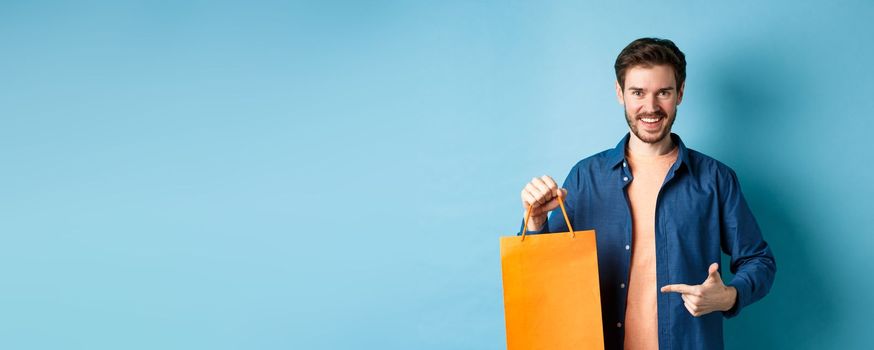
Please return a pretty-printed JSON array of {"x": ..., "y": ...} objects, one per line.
[{"x": 563, "y": 212}]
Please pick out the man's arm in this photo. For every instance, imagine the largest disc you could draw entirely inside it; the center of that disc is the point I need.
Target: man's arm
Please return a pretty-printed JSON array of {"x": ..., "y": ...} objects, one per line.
[{"x": 752, "y": 261}]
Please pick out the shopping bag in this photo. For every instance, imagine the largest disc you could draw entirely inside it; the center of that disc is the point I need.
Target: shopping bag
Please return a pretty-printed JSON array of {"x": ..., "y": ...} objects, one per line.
[{"x": 552, "y": 297}]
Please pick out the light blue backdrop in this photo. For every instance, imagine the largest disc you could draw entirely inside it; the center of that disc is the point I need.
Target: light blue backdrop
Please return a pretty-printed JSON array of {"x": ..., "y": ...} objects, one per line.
[{"x": 335, "y": 175}]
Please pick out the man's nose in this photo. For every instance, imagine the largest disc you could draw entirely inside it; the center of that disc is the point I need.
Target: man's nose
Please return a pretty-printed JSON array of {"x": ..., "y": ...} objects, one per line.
[{"x": 650, "y": 105}]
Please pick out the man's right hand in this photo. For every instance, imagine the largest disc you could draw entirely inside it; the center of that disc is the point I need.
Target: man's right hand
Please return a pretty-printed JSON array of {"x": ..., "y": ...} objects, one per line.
[{"x": 541, "y": 194}]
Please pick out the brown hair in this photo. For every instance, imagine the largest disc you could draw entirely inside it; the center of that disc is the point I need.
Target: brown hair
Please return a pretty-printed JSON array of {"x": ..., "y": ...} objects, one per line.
[{"x": 648, "y": 52}]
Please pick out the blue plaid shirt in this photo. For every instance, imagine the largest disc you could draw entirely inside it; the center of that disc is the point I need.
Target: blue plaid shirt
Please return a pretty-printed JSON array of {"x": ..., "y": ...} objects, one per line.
[{"x": 700, "y": 213}]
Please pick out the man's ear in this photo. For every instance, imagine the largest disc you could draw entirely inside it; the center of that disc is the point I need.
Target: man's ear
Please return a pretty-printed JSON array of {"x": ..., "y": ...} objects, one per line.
[
  {"x": 680, "y": 93},
  {"x": 619, "y": 96}
]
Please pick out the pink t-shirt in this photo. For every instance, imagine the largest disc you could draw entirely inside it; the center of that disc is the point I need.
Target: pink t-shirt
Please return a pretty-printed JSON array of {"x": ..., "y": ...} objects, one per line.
[{"x": 641, "y": 315}]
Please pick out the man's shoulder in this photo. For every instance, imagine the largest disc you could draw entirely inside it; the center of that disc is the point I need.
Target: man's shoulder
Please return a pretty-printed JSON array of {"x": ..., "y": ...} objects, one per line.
[
  {"x": 705, "y": 165},
  {"x": 597, "y": 161}
]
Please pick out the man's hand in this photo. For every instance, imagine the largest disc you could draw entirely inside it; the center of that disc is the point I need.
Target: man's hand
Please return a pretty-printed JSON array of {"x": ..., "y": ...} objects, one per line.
[
  {"x": 702, "y": 299},
  {"x": 541, "y": 195}
]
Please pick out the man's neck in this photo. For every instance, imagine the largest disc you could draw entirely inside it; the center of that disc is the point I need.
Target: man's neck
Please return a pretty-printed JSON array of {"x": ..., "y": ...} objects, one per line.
[{"x": 638, "y": 147}]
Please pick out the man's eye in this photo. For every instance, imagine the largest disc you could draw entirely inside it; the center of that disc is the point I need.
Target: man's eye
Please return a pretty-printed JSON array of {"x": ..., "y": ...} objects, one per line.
[
  {"x": 636, "y": 93},
  {"x": 663, "y": 93}
]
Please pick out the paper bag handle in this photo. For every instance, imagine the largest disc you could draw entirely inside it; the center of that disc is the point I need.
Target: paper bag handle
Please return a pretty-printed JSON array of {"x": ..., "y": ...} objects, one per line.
[{"x": 563, "y": 212}]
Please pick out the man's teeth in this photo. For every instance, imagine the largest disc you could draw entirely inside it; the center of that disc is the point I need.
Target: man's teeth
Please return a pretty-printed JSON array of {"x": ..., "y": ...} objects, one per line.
[{"x": 650, "y": 120}]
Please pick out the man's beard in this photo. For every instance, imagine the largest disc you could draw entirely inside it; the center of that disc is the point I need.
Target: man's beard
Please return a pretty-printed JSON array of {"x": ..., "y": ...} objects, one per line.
[{"x": 647, "y": 137}]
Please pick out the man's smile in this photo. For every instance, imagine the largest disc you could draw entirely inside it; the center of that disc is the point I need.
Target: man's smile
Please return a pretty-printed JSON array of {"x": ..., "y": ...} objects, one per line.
[{"x": 652, "y": 121}]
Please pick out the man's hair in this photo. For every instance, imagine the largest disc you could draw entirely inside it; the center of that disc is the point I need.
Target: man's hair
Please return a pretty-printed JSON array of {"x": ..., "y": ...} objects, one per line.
[{"x": 648, "y": 52}]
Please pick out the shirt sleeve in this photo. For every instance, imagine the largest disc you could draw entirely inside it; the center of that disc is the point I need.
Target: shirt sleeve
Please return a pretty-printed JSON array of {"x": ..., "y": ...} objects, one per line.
[
  {"x": 555, "y": 221},
  {"x": 752, "y": 261}
]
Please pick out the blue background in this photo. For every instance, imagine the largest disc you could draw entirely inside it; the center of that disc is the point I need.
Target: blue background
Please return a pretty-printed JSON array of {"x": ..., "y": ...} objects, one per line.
[{"x": 328, "y": 174}]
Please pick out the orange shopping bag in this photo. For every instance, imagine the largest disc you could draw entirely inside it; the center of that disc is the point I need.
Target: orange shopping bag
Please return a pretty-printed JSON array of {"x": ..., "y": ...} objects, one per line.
[{"x": 552, "y": 298}]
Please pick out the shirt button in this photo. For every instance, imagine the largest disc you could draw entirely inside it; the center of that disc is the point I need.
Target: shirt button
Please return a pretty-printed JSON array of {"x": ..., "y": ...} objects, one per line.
[
  {"x": 624, "y": 164},
  {"x": 622, "y": 285},
  {"x": 625, "y": 178},
  {"x": 619, "y": 325},
  {"x": 627, "y": 247}
]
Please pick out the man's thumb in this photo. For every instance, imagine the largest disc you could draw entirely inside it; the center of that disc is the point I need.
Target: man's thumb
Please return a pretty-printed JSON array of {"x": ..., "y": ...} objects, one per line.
[{"x": 713, "y": 273}]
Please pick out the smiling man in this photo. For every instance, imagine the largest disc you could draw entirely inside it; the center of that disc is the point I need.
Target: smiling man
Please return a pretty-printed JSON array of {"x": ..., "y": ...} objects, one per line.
[{"x": 663, "y": 214}]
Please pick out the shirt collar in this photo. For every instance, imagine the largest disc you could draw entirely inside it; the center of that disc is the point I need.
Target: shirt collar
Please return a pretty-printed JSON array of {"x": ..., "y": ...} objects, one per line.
[{"x": 617, "y": 155}]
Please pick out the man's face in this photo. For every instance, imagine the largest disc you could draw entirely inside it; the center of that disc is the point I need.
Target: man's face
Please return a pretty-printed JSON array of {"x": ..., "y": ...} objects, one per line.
[{"x": 650, "y": 97}]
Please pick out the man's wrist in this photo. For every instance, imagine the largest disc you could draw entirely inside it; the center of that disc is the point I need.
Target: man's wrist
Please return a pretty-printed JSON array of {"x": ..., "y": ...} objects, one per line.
[{"x": 731, "y": 298}]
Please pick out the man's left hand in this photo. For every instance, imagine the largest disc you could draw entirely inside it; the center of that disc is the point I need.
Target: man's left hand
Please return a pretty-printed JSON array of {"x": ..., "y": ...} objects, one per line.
[{"x": 710, "y": 296}]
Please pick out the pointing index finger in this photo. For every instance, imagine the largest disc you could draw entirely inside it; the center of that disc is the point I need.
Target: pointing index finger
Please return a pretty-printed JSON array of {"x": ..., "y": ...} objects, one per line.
[{"x": 677, "y": 288}]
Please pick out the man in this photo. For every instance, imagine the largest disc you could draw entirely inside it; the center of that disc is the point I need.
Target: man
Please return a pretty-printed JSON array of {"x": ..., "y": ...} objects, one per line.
[{"x": 663, "y": 213}]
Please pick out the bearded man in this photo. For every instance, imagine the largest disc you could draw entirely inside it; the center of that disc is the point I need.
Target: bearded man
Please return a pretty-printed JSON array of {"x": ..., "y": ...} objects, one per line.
[{"x": 663, "y": 214}]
